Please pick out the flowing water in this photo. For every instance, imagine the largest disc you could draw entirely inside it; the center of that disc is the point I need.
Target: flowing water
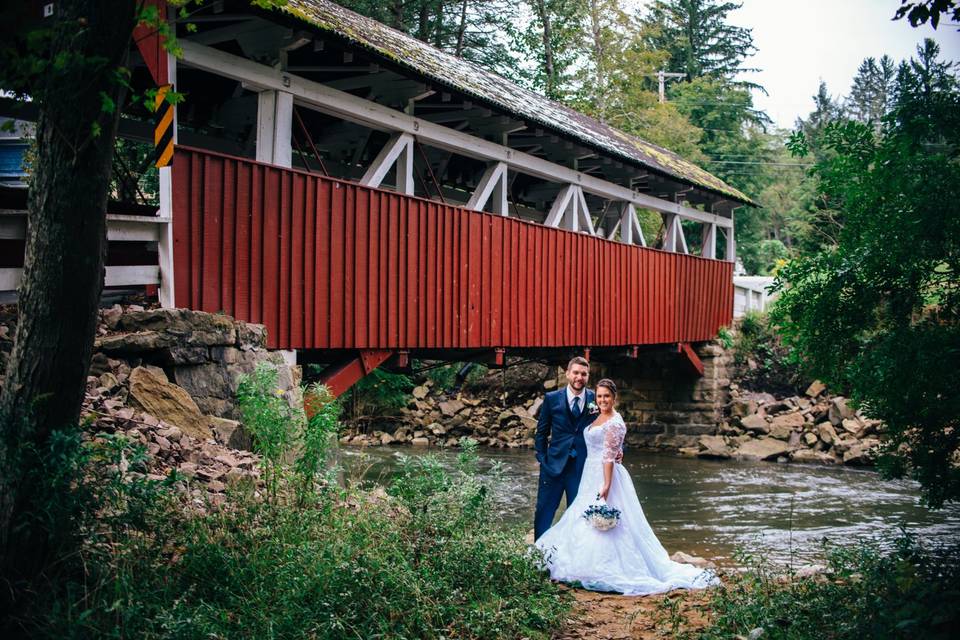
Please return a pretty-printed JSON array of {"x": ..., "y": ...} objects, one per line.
[{"x": 710, "y": 508}]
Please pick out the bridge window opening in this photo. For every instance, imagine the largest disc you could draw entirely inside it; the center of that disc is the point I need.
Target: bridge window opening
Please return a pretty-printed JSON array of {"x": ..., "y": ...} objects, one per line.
[{"x": 218, "y": 113}]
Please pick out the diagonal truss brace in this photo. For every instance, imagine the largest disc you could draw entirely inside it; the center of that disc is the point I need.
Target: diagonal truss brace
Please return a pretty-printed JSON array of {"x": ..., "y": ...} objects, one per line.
[
  {"x": 629, "y": 226},
  {"x": 493, "y": 184},
  {"x": 399, "y": 151},
  {"x": 674, "y": 239},
  {"x": 570, "y": 211}
]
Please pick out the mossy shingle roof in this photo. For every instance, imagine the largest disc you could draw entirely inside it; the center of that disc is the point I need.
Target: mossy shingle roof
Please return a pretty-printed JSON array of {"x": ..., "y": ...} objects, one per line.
[{"x": 472, "y": 80}]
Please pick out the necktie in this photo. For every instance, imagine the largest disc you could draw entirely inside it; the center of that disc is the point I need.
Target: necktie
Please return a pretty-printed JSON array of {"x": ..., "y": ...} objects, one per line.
[{"x": 576, "y": 407}]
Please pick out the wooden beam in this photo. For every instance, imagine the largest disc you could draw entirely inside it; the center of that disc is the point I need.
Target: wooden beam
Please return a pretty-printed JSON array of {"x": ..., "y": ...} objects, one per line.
[
  {"x": 492, "y": 183},
  {"x": 629, "y": 226},
  {"x": 709, "y": 249},
  {"x": 339, "y": 378},
  {"x": 691, "y": 358},
  {"x": 349, "y": 107},
  {"x": 398, "y": 151},
  {"x": 673, "y": 239}
]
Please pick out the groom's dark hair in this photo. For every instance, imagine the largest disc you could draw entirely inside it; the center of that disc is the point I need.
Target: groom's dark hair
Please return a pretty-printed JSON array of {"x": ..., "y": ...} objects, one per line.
[{"x": 578, "y": 360}]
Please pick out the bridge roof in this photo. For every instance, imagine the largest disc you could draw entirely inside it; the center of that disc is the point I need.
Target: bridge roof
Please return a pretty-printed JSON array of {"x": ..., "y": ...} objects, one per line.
[{"x": 472, "y": 80}]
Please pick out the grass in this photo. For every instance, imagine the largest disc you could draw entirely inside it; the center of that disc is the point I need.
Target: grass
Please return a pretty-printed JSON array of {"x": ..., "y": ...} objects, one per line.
[{"x": 298, "y": 557}]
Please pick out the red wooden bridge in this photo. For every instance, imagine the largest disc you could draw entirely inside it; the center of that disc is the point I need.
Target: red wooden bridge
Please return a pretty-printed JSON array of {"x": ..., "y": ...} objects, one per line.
[
  {"x": 327, "y": 264},
  {"x": 432, "y": 208}
]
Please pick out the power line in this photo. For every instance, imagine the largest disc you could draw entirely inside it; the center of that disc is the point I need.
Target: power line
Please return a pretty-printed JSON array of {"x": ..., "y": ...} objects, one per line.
[{"x": 767, "y": 164}]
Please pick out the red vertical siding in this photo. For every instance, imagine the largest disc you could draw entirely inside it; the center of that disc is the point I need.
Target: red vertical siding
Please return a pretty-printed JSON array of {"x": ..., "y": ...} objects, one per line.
[{"x": 330, "y": 264}]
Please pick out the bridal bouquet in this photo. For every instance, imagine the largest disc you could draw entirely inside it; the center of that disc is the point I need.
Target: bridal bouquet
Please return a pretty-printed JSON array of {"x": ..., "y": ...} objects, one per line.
[{"x": 602, "y": 516}]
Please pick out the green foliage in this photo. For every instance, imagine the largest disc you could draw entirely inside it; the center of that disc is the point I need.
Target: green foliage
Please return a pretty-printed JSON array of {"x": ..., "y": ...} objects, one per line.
[
  {"x": 765, "y": 362},
  {"x": 867, "y": 592},
  {"x": 431, "y": 562},
  {"x": 379, "y": 393},
  {"x": 282, "y": 432},
  {"x": 879, "y": 314},
  {"x": 698, "y": 37}
]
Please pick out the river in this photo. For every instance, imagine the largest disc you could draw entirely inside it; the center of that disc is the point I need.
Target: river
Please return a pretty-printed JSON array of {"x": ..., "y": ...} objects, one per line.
[{"x": 711, "y": 508}]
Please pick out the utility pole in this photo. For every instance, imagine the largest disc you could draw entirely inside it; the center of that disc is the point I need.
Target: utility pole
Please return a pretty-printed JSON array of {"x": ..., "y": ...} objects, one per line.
[{"x": 662, "y": 81}]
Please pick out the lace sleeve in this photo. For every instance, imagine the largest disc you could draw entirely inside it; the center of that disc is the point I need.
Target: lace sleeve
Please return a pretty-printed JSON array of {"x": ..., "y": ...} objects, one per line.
[{"x": 613, "y": 439}]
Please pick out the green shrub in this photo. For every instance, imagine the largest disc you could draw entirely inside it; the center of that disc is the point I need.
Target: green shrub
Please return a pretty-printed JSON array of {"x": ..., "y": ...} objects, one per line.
[
  {"x": 379, "y": 393},
  {"x": 867, "y": 592},
  {"x": 765, "y": 363},
  {"x": 425, "y": 560}
]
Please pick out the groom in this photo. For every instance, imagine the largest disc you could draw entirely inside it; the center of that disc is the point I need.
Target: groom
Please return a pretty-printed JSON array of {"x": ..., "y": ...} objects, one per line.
[{"x": 561, "y": 449}]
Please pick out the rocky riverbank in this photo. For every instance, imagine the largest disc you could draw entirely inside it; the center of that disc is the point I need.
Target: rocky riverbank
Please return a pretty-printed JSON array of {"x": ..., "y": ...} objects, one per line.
[
  {"x": 167, "y": 379},
  {"x": 815, "y": 427}
]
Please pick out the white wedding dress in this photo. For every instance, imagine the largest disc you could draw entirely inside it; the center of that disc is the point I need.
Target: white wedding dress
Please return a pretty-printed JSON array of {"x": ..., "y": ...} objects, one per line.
[{"x": 628, "y": 558}]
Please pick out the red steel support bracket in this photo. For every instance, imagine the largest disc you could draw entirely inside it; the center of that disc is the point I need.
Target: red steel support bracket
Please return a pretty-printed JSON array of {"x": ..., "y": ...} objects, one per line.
[
  {"x": 691, "y": 357},
  {"x": 339, "y": 378}
]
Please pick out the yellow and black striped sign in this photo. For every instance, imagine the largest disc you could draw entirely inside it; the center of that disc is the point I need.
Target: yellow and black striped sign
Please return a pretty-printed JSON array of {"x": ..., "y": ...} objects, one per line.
[{"x": 163, "y": 133}]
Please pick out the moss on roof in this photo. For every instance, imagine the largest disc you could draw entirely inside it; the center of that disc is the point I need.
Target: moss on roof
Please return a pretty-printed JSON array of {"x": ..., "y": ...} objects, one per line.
[{"x": 472, "y": 80}]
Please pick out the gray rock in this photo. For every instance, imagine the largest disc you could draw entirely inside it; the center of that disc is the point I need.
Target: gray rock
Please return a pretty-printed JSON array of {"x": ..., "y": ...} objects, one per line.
[
  {"x": 713, "y": 447},
  {"x": 150, "y": 390},
  {"x": 231, "y": 433},
  {"x": 755, "y": 423},
  {"x": 761, "y": 449},
  {"x": 827, "y": 433},
  {"x": 815, "y": 389},
  {"x": 809, "y": 455},
  {"x": 743, "y": 408}
]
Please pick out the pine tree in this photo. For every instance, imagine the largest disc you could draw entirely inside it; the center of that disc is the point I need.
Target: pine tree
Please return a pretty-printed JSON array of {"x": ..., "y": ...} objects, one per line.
[
  {"x": 872, "y": 92},
  {"x": 700, "y": 40}
]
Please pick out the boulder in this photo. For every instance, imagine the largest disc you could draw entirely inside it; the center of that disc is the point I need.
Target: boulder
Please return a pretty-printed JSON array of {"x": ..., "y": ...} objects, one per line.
[
  {"x": 852, "y": 426},
  {"x": 810, "y": 438},
  {"x": 713, "y": 447},
  {"x": 761, "y": 449},
  {"x": 420, "y": 392},
  {"x": 150, "y": 390},
  {"x": 685, "y": 558},
  {"x": 809, "y": 455},
  {"x": 535, "y": 407},
  {"x": 780, "y": 431},
  {"x": 550, "y": 384},
  {"x": 386, "y": 439},
  {"x": 450, "y": 408},
  {"x": 420, "y": 442},
  {"x": 742, "y": 408},
  {"x": 792, "y": 420},
  {"x": 230, "y": 433},
  {"x": 815, "y": 389},
  {"x": 827, "y": 433},
  {"x": 839, "y": 409},
  {"x": 755, "y": 423}
]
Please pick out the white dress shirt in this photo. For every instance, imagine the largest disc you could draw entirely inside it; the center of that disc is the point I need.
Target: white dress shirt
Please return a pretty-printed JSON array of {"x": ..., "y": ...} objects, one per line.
[{"x": 571, "y": 395}]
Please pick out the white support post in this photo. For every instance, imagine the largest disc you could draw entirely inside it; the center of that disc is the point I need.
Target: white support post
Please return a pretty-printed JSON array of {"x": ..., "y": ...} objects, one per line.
[
  {"x": 709, "y": 249},
  {"x": 731, "y": 253},
  {"x": 563, "y": 203},
  {"x": 582, "y": 214},
  {"x": 569, "y": 211},
  {"x": 399, "y": 151},
  {"x": 266, "y": 128},
  {"x": 629, "y": 226},
  {"x": 165, "y": 245},
  {"x": 283, "y": 132},
  {"x": 493, "y": 184},
  {"x": 275, "y": 127},
  {"x": 674, "y": 240}
]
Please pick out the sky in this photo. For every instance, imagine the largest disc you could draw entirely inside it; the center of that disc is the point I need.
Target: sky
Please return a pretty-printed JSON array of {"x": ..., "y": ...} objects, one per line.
[{"x": 800, "y": 42}]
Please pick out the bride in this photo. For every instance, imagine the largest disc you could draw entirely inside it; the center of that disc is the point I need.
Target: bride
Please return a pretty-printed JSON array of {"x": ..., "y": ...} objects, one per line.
[{"x": 628, "y": 558}]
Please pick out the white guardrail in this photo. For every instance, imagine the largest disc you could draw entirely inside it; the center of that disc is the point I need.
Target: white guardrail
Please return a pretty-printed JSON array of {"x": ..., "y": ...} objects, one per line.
[{"x": 750, "y": 294}]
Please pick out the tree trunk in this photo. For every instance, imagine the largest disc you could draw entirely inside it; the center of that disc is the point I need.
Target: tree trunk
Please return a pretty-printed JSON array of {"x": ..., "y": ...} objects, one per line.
[
  {"x": 462, "y": 29},
  {"x": 548, "y": 67},
  {"x": 64, "y": 262}
]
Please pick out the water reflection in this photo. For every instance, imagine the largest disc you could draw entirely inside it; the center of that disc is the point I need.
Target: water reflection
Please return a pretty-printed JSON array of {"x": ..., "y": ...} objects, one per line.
[{"x": 709, "y": 508}]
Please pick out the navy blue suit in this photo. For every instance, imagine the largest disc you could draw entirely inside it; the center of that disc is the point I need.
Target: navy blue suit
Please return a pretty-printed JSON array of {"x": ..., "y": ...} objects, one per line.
[{"x": 561, "y": 452}]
